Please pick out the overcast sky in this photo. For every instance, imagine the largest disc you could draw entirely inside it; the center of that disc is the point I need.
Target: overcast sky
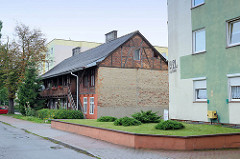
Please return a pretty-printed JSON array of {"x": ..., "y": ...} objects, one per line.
[{"x": 88, "y": 20}]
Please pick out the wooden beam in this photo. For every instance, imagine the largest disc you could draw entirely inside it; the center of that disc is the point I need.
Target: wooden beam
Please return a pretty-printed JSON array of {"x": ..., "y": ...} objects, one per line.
[
  {"x": 160, "y": 64},
  {"x": 153, "y": 58},
  {"x": 147, "y": 57},
  {"x": 121, "y": 56},
  {"x": 130, "y": 49},
  {"x": 111, "y": 60}
]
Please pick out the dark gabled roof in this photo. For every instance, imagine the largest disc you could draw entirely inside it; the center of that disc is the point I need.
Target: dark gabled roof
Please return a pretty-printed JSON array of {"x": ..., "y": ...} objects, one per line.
[{"x": 91, "y": 57}]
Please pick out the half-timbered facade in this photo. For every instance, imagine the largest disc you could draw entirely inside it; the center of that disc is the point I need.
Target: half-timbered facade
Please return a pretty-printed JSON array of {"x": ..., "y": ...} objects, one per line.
[{"x": 120, "y": 77}]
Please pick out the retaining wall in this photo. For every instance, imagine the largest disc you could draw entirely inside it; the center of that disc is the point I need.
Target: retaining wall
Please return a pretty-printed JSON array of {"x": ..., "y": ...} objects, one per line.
[{"x": 148, "y": 141}]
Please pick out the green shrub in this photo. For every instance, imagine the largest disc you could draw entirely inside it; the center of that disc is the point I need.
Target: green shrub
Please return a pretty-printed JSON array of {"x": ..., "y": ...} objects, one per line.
[
  {"x": 43, "y": 113},
  {"x": 68, "y": 114},
  {"x": 147, "y": 117},
  {"x": 106, "y": 119},
  {"x": 30, "y": 112},
  {"x": 126, "y": 121},
  {"x": 169, "y": 125},
  {"x": 59, "y": 114}
]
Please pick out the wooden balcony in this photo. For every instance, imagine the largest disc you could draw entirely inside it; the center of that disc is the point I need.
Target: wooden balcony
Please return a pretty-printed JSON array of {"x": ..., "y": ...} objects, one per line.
[{"x": 55, "y": 92}]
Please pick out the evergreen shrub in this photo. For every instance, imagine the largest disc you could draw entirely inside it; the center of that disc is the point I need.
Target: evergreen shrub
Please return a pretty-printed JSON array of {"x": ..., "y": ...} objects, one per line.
[
  {"x": 59, "y": 114},
  {"x": 147, "y": 116},
  {"x": 169, "y": 125},
  {"x": 106, "y": 119},
  {"x": 126, "y": 121}
]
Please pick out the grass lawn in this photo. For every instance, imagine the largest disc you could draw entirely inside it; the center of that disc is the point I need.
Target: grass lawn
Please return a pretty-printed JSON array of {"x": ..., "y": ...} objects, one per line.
[
  {"x": 189, "y": 130},
  {"x": 28, "y": 118}
]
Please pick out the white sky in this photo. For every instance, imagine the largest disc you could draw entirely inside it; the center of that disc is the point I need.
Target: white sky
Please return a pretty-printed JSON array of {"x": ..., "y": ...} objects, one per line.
[{"x": 88, "y": 20}]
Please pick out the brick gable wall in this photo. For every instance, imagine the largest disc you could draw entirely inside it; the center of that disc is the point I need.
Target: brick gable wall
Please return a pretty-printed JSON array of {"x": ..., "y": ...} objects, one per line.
[{"x": 123, "y": 56}]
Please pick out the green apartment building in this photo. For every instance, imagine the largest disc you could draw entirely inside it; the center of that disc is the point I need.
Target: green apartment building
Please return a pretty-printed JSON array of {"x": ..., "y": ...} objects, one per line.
[{"x": 204, "y": 59}]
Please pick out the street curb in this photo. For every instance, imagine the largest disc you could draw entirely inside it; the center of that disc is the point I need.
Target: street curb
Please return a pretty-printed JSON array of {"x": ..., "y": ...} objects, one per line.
[{"x": 71, "y": 147}]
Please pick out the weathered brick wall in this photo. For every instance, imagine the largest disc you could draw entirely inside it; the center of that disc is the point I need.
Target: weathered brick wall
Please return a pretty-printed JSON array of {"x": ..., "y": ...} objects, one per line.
[
  {"x": 122, "y": 91},
  {"x": 123, "y": 56}
]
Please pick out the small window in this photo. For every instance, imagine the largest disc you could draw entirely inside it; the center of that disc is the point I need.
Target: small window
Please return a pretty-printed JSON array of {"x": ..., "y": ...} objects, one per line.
[
  {"x": 196, "y": 3},
  {"x": 76, "y": 51},
  {"x": 92, "y": 78},
  {"x": 234, "y": 88},
  {"x": 199, "y": 41},
  {"x": 234, "y": 32},
  {"x": 85, "y": 81},
  {"x": 85, "y": 103},
  {"x": 51, "y": 51},
  {"x": 200, "y": 90},
  {"x": 137, "y": 54},
  {"x": 91, "y": 105}
]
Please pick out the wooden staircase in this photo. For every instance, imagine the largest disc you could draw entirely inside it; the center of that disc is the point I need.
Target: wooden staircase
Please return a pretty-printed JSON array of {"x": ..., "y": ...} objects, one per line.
[{"x": 71, "y": 100}]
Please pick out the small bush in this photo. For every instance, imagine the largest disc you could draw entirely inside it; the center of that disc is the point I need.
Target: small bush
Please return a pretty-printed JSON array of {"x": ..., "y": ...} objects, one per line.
[
  {"x": 43, "y": 113},
  {"x": 147, "y": 117},
  {"x": 106, "y": 119},
  {"x": 126, "y": 121},
  {"x": 68, "y": 114},
  {"x": 59, "y": 114},
  {"x": 169, "y": 125},
  {"x": 30, "y": 112}
]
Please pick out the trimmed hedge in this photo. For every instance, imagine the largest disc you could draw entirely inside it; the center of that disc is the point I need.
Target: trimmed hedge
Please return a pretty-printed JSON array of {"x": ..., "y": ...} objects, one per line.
[
  {"x": 126, "y": 121},
  {"x": 147, "y": 117},
  {"x": 169, "y": 125},
  {"x": 59, "y": 114},
  {"x": 106, "y": 119}
]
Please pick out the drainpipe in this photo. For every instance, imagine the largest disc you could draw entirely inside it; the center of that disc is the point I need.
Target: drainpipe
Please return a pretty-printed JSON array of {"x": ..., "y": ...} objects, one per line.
[{"x": 77, "y": 87}]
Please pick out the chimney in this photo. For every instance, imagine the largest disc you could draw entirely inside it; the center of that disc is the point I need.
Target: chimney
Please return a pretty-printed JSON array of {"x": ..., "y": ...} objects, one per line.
[{"x": 111, "y": 36}]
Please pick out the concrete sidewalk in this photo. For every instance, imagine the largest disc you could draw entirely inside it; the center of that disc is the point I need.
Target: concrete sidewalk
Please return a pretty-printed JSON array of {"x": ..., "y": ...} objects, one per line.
[{"x": 106, "y": 150}]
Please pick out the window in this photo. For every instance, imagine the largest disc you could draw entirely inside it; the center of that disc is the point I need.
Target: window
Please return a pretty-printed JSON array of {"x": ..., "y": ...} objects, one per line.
[
  {"x": 85, "y": 103},
  {"x": 137, "y": 54},
  {"x": 197, "y": 2},
  {"x": 85, "y": 81},
  {"x": 76, "y": 51},
  {"x": 200, "y": 90},
  {"x": 234, "y": 88},
  {"x": 91, "y": 105},
  {"x": 199, "y": 41},
  {"x": 51, "y": 51},
  {"x": 233, "y": 32},
  {"x": 92, "y": 78}
]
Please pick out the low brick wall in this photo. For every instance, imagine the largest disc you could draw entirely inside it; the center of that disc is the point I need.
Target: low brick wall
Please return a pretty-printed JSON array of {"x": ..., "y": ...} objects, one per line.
[{"x": 149, "y": 141}]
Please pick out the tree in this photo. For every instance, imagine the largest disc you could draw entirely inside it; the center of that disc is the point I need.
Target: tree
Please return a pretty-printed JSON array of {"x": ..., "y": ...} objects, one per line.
[
  {"x": 28, "y": 46},
  {"x": 28, "y": 94},
  {"x": 3, "y": 96},
  {"x": 0, "y": 29}
]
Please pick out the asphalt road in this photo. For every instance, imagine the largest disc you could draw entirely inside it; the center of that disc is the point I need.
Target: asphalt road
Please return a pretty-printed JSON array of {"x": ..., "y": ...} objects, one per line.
[{"x": 18, "y": 144}]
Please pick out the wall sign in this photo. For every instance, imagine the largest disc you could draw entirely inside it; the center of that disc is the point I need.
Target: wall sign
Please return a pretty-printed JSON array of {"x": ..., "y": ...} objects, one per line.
[{"x": 172, "y": 66}]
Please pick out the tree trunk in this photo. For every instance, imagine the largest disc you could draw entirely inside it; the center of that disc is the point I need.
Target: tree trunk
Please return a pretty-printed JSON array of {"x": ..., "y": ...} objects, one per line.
[{"x": 11, "y": 106}]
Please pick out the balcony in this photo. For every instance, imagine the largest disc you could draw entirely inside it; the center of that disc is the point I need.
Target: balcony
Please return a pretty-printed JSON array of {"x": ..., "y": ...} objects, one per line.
[{"x": 55, "y": 91}]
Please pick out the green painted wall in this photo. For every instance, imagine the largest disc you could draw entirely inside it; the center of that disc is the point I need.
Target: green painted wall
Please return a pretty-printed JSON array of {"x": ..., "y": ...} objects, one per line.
[{"x": 218, "y": 60}]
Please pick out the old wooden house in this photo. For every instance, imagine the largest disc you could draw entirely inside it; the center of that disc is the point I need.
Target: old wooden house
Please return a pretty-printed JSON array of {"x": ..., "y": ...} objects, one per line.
[{"x": 122, "y": 76}]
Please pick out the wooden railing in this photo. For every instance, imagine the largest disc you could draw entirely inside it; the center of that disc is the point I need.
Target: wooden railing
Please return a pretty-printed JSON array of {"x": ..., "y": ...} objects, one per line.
[{"x": 55, "y": 92}]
